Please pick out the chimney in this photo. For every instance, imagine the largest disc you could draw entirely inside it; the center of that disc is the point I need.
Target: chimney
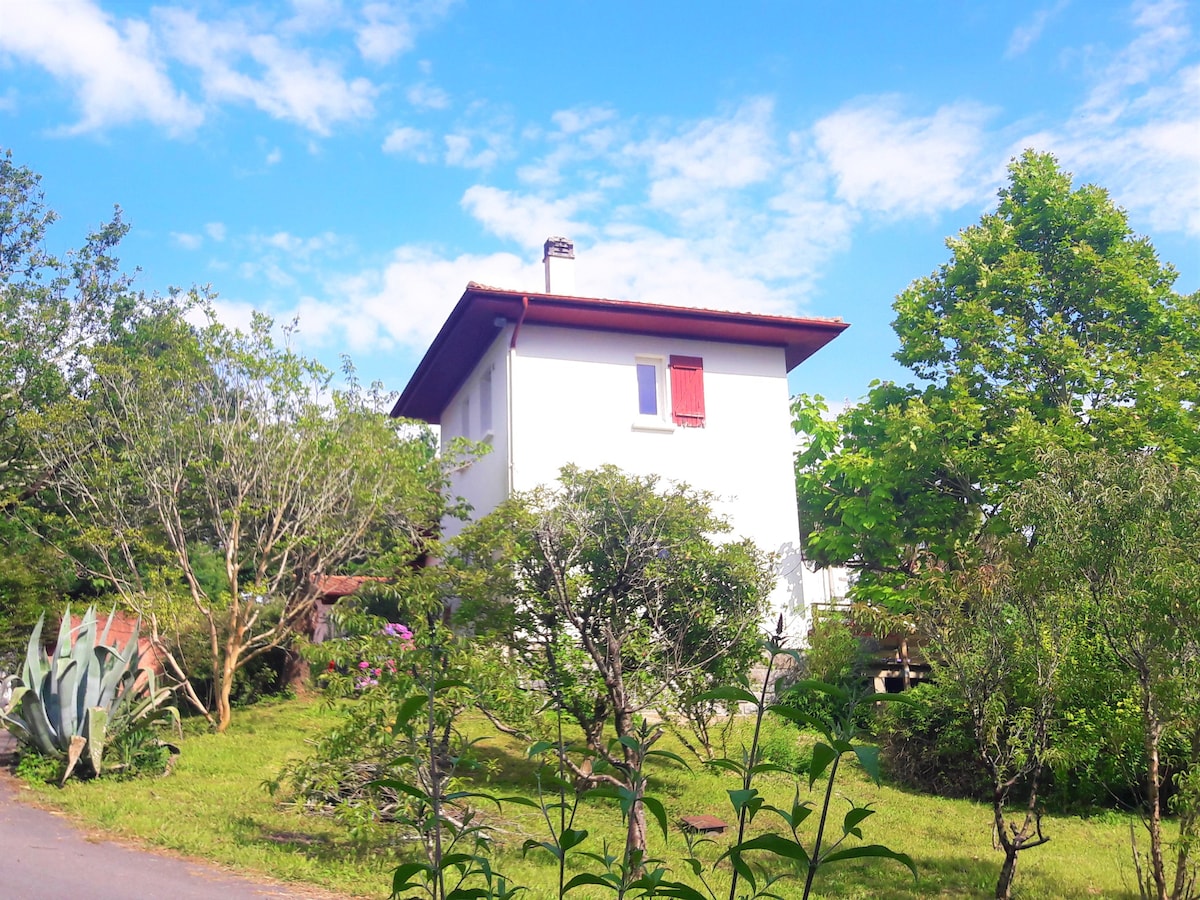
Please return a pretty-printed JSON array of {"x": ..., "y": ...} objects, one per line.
[{"x": 560, "y": 266}]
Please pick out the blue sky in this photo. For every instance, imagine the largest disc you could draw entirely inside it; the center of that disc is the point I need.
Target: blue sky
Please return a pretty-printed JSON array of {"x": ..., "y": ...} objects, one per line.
[{"x": 358, "y": 163}]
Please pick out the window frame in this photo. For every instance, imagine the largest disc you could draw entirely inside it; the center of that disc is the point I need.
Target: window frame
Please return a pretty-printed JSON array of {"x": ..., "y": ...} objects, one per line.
[{"x": 660, "y": 420}]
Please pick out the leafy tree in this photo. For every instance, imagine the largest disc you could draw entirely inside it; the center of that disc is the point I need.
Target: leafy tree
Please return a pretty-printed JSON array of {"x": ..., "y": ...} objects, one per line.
[
  {"x": 1123, "y": 533},
  {"x": 216, "y": 446},
  {"x": 1052, "y": 325},
  {"x": 615, "y": 593},
  {"x": 51, "y": 309},
  {"x": 1003, "y": 643}
]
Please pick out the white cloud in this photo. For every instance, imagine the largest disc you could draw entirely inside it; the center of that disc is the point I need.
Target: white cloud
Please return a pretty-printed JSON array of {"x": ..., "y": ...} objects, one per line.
[
  {"x": 479, "y": 147},
  {"x": 216, "y": 231},
  {"x": 583, "y": 134},
  {"x": 524, "y": 218},
  {"x": 1026, "y": 34},
  {"x": 411, "y": 142},
  {"x": 571, "y": 121},
  {"x": 1156, "y": 49},
  {"x": 884, "y": 161},
  {"x": 427, "y": 96},
  {"x": 126, "y": 69},
  {"x": 289, "y": 83},
  {"x": 1138, "y": 131},
  {"x": 313, "y": 15},
  {"x": 298, "y": 246},
  {"x": 187, "y": 241},
  {"x": 115, "y": 67},
  {"x": 230, "y": 313},
  {"x": 716, "y": 154},
  {"x": 675, "y": 271},
  {"x": 274, "y": 156},
  {"x": 406, "y": 302},
  {"x": 390, "y": 29}
]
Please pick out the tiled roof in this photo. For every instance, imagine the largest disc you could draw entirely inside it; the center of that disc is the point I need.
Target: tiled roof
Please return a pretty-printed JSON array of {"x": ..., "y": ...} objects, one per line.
[
  {"x": 483, "y": 312},
  {"x": 342, "y": 585}
]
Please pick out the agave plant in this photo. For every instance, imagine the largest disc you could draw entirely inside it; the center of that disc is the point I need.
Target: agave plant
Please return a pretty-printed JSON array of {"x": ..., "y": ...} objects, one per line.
[{"x": 70, "y": 704}]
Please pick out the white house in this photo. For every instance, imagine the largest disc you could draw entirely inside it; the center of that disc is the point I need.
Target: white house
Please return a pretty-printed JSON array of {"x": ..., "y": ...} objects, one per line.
[{"x": 693, "y": 395}]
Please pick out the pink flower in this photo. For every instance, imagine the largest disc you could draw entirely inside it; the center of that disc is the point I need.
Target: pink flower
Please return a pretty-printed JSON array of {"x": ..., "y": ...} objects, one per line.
[{"x": 364, "y": 665}]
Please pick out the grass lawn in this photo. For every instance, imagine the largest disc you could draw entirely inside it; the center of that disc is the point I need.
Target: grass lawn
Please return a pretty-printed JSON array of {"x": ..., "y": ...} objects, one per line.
[{"x": 214, "y": 807}]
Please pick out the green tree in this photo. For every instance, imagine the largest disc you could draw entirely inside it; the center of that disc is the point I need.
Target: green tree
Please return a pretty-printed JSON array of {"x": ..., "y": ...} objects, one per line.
[
  {"x": 1122, "y": 533},
  {"x": 614, "y": 593},
  {"x": 1002, "y": 641},
  {"x": 1052, "y": 325},
  {"x": 51, "y": 309},
  {"x": 224, "y": 474}
]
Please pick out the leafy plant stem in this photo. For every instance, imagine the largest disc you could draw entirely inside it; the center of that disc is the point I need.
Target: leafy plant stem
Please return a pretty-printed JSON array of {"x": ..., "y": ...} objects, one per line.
[
  {"x": 752, "y": 760},
  {"x": 562, "y": 800},
  {"x": 815, "y": 860},
  {"x": 435, "y": 787}
]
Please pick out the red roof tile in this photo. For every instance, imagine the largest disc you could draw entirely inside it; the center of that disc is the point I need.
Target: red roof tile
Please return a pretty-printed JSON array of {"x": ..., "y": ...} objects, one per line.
[{"x": 342, "y": 585}]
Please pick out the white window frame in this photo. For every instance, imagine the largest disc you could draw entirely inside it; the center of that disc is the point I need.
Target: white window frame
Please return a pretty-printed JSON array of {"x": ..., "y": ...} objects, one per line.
[{"x": 660, "y": 421}]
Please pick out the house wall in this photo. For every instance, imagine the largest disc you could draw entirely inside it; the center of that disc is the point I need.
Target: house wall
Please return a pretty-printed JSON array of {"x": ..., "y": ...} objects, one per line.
[
  {"x": 484, "y": 483},
  {"x": 574, "y": 399}
]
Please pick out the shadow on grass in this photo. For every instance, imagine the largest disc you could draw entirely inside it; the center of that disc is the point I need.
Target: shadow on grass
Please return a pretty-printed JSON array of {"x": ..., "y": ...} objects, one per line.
[
  {"x": 316, "y": 845},
  {"x": 504, "y": 766}
]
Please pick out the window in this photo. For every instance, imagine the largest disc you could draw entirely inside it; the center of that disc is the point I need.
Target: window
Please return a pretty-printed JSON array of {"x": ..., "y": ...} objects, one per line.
[
  {"x": 647, "y": 379},
  {"x": 465, "y": 417},
  {"x": 485, "y": 403},
  {"x": 651, "y": 394},
  {"x": 687, "y": 391}
]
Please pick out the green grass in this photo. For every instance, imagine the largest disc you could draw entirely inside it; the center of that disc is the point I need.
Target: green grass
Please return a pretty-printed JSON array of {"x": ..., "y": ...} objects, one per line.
[{"x": 214, "y": 807}]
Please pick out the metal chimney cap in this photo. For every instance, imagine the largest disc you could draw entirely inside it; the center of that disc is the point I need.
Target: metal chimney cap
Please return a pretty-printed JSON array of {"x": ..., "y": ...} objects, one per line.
[{"x": 562, "y": 247}]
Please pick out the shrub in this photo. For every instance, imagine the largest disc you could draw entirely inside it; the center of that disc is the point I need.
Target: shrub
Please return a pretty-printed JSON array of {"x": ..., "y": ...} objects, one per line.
[
  {"x": 834, "y": 656},
  {"x": 929, "y": 744}
]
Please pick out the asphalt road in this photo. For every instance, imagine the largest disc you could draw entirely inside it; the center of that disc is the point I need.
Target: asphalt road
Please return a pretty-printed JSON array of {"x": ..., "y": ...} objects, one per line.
[{"x": 47, "y": 858}]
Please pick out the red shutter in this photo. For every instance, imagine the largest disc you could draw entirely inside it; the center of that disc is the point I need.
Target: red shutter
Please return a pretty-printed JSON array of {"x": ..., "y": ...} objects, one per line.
[{"x": 687, "y": 391}]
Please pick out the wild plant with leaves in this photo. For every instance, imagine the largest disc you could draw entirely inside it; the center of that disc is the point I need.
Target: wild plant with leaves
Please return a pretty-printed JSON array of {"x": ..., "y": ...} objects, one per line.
[
  {"x": 380, "y": 676},
  {"x": 839, "y": 731}
]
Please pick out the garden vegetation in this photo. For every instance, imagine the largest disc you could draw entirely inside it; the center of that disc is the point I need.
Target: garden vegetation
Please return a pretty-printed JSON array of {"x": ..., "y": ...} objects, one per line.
[{"x": 1027, "y": 512}]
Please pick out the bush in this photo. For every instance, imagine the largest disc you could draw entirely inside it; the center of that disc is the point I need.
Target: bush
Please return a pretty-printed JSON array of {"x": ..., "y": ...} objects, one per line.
[
  {"x": 929, "y": 744},
  {"x": 136, "y": 753},
  {"x": 834, "y": 656}
]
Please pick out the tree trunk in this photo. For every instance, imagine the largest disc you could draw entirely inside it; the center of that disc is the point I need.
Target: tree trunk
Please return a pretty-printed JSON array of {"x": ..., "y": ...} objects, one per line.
[
  {"x": 1008, "y": 872},
  {"x": 1187, "y": 833},
  {"x": 1153, "y": 795},
  {"x": 635, "y": 839},
  {"x": 296, "y": 674},
  {"x": 224, "y": 687}
]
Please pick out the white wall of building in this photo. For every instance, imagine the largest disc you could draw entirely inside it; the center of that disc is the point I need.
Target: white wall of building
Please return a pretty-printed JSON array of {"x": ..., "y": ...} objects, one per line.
[
  {"x": 484, "y": 483},
  {"x": 574, "y": 399}
]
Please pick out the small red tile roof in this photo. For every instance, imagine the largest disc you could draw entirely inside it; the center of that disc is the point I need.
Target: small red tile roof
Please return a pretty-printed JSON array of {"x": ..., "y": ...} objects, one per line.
[
  {"x": 482, "y": 312},
  {"x": 342, "y": 585}
]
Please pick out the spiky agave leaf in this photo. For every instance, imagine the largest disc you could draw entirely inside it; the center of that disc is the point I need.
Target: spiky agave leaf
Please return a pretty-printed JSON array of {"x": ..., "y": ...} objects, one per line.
[
  {"x": 84, "y": 694},
  {"x": 95, "y": 732}
]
